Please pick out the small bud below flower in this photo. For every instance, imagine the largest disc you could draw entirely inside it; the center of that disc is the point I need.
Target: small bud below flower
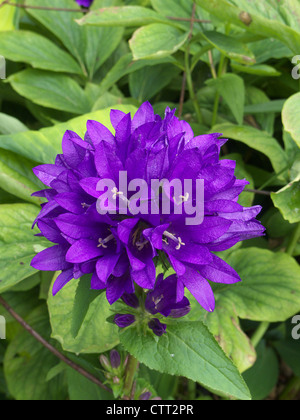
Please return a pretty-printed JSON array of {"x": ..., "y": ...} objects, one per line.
[
  {"x": 115, "y": 359},
  {"x": 123, "y": 321},
  {"x": 104, "y": 362},
  {"x": 131, "y": 300},
  {"x": 157, "y": 327}
]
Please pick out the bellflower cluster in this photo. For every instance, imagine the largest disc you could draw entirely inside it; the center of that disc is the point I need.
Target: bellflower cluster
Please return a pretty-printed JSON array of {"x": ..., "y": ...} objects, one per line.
[{"x": 120, "y": 249}]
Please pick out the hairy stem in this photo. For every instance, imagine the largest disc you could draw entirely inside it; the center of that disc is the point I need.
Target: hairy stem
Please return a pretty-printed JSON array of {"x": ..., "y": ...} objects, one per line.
[
  {"x": 132, "y": 367},
  {"x": 259, "y": 333}
]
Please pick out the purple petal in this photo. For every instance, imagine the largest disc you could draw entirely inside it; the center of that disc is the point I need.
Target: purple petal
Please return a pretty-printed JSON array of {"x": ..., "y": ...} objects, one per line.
[
  {"x": 51, "y": 259},
  {"x": 98, "y": 133},
  {"x": 105, "y": 266},
  {"x": 144, "y": 114},
  {"x": 96, "y": 283},
  {"x": 83, "y": 250},
  {"x": 47, "y": 173},
  {"x": 219, "y": 272}
]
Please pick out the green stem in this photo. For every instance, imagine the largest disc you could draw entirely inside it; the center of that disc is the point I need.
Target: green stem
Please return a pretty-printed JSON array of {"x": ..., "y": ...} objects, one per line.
[
  {"x": 273, "y": 178},
  {"x": 192, "y": 387},
  {"x": 293, "y": 241},
  {"x": 222, "y": 66},
  {"x": 131, "y": 370},
  {"x": 259, "y": 333}
]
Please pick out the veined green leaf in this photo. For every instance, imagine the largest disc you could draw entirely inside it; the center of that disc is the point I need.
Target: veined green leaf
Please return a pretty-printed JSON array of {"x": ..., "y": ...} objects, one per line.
[
  {"x": 123, "y": 16},
  {"x": 156, "y": 41},
  {"x": 29, "y": 47},
  {"x": 192, "y": 342}
]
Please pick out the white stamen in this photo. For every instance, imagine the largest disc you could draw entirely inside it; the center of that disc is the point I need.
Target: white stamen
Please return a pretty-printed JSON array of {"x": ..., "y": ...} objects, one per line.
[
  {"x": 116, "y": 192},
  {"x": 103, "y": 242},
  {"x": 140, "y": 245},
  {"x": 180, "y": 244},
  {"x": 177, "y": 240},
  {"x": 182, "y": 199}
]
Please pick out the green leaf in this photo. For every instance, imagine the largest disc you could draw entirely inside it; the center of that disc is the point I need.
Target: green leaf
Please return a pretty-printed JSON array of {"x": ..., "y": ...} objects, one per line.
[
  {"x": 265, "y": 107},
  {"x": 263, "y": 376},
  {"x": 29, "y": 47},
  {"x": 182, "y": 9},
  {"x": 10, "y": 125},
  {"x": 122, "y": 16},
  {"x": 187, "y": 349},
  {"x": 156, "y": 41},
  {"x": 51, "y": 90},
  {"x": 289, "y": 351},
  {"x": 287, "y": 200},
  {"x": 258, "y": 140},
  {"x": 27, "y": 363},
  {"x": 290, "y": 117},
  {"x": 253, "y": 22},
  {"x": 43, "y": 146},
  {"x": 7, "y": 17},
  {"x": 225, "y": 326},
  {"x": 269, "y": 48},
  {"x": 90, "y": 46},
  {"x": 245, "y": 199},
  {"x": 82, "y": 389},
  {"x": 231, "y": 87},
  {"x": 269, "y": 291},
  {"x": 230, "y": 47},
  {"x": 83, "y": 299},
  {"x": 124, "y": 66},
  {"x": 95, "y": 334},
  {"x": 144, "y": 84},
  {"x": 18, "y": 245},
  {"x": 270, "y": 287}
]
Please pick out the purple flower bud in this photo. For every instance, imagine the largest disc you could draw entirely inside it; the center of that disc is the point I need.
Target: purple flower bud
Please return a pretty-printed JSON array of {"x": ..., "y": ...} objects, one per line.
[
  {"x": 104, "y": 362},
  {"x": 84, "y": 3},
  {"x": 115, "y": 359},
  {"x": 157, "y": 327},
  {"x": 123, "y": 321},
  {"x": 131, "y": 300},
  {"x": 180, "y": 312},
  {"x": 145, "y": 396}
]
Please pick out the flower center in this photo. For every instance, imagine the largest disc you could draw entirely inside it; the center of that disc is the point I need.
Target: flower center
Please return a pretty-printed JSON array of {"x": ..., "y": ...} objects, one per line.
[{"x": 173, "y": 238}]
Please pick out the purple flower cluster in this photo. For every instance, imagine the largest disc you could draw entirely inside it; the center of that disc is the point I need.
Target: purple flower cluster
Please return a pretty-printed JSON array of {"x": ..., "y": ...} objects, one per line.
[{"x": 120, "y": 251}]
